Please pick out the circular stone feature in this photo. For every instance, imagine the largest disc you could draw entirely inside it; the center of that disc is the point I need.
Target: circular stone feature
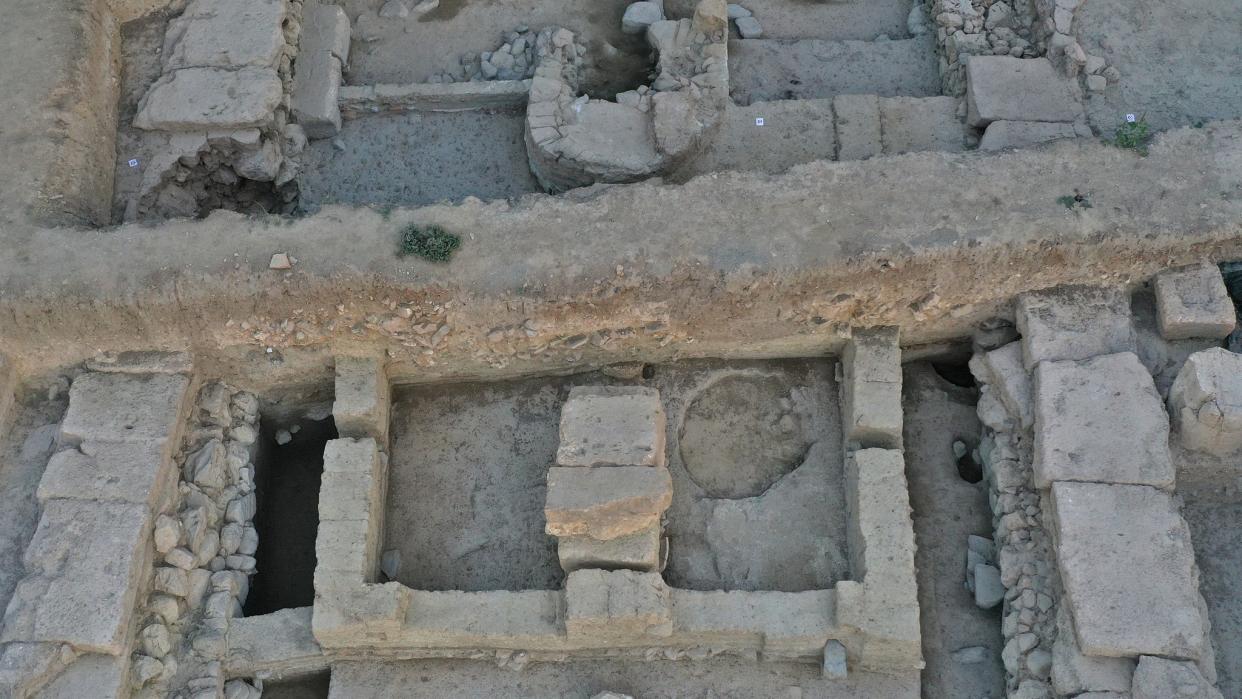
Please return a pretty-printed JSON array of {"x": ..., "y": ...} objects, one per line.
[{"x": 740, "y": 435}]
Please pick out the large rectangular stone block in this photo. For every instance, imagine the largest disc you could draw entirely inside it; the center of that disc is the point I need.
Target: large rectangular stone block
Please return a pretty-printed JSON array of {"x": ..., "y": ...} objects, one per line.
[
  {"x": 858, "y": 126},
  {"x": 226, "y": 34},
  {"x": 1004, "y": 371},
  {"x": 108, "y": 407},
  {"x": 1193, "y": 302},
  {"x": 363, "y": 399},
  {"x": 637, "y": 551},
  {"x": 84, "y": 569},
  {"x": 202, "y": 99},
  {"x": 612, "y": 426},
  {"x": 616, "y": 606},
  {"x": 134, "y": 472},
  {"x": 1128, "y": 570},
  {"x": 1017, "y": 89},
  {"x": 871, "y": 389},
  {"x": 1100, "y": 420},
  {"x": 605, "y": 502},
  {"x": 1074, "y": 673},
  {"x": 1074, "y": 322},
  {"x": 1206, "y": 401},
  {"x": 280, "y": 643},
  {"x": 356, "y": 615}
]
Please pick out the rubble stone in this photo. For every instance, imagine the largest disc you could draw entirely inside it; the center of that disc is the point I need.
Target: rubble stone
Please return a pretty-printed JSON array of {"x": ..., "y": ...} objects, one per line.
[
  {"x": 1100, "y": 420},
  {"x": 1074, "y": 322},
  {"x": 612, "y": 426},
  {"x": 606, "y": 502},
  {"x": 1206, "y": 401},
  {"x": 616, "y": 605},
  {"x": 1128, "y": 569},
  {"x": 1193, "y": 302}
]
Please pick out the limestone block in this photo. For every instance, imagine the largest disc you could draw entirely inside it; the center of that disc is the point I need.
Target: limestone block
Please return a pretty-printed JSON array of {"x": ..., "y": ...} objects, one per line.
[
  {"x": 91, "y": 675},
  {"x": 915, "y": 124},
  {"x": 1007, "y": 133},
  {"x": 1193, "y": 302},
  {"x": 1128, "y": 570},
  {"x": 615, "y": 606},
  {"x": 325, "y": 26},
  {"x": 196, "y": 99},
  {"x": 858, "y": 126},
  {"x": 342, "y": 548},
  {"x": 1074, "y": 673},
  {"x": 1073, "y": 322},
  {"x": 353, "y": 456},
  {"x": 606, "y": 502},
  {"x": 790, "y": 624},
  {"x": 84, "y": 566},
  {"x": 142, "y": 362},
  {"x": 492, "y": 619},
  {"x": 871, "y": 389},
  {"x": 880, "y": 533},
  {"x": 1012, "y": 384},
  {"x": 1160, "y": 678},
  {"x": 363, "y": 399},
  {"x": 133, "y": 472},
  {"x": 637, "y": 551},
  {"x": 25, "y": 668},
  {"x": 280, "y": 643},
  {"x": 612, "y": 426},
  {"x": 1206, "y": 401},
  {"x": 317, "y": 74},
  {"x": 226, "y": 34},
  {"x": 355, "y": 614},
  {"x": 1017, "y": 89},
  {"x": 1100, "y": 420},
  {"x": 124, "y": 408},
  {"x": 345, "y": 496}
]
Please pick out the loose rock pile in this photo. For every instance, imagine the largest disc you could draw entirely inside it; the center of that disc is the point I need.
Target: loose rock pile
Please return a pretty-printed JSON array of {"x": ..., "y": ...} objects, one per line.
[
  {"x": 514, "y": 59},
  {"x": 205, "y": 546}
]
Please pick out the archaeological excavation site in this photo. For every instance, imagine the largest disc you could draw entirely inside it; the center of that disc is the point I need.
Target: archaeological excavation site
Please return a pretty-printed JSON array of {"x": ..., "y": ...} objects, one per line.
[{"x": 615, "y": 349}]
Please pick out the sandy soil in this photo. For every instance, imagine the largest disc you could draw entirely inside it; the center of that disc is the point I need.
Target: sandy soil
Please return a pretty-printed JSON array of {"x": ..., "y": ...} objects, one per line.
[
  {"x": 1178, "y": 60},
  {"x": 466, "y": 482},
  {"x": 24, "y": 451},
  {"x": 946, "y": 510},
  {"x": 418, "y": 158},
  {"x": 714, "y": 679}
]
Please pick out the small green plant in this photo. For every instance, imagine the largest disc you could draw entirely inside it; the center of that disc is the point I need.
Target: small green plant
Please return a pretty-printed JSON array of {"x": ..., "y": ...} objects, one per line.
[
  {"x": 429, "y": 242},
  {"x": 1077, "y": 200},
  {"x": 1133, "y": 135}
]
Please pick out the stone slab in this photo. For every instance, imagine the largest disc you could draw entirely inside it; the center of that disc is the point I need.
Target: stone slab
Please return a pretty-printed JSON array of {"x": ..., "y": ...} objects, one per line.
[
  {"x": 637, "y": 551},
  {"x": 142, "y": 362},
  {"x": 1007, "y": 376},
  {"x": 1161, "y": 678},
  {"x": 1074, "y": 673},
  {"x": 133, "y": 472},
  {"x": 1017, "y": 89},
  {"x": 315, "y": 101},
  {"x": 362, "y": 399},
  {"x": 1205, "y": 400},
  {"x": 1100, "y": 420},
  {"x": 1008, "y": 133},
  {"x": 280, "y": 643},
  {"x": 199, "y": 99},
  {"x": 107, "y": 407},
  {"x": 1193, "y": 302},
  {"x": 226, "y": 34},
  {"x": 354, "y": 615},
  {"x": 605, "y": 502},
  {"x": 1073, "y": 322},
  {"x": 84, "y": 568},
  {"x": 871, "y": 389},
  {"x": 1127, "y": 566},
  {"x": 618, "y": 605},
  {"x": 325, "y": 27},
  {"x": 913, "y": 124},
  {"x": 91, "y": 675},
  {"x": 858, "y": 126},
  {"x": 612, "y": 426}
]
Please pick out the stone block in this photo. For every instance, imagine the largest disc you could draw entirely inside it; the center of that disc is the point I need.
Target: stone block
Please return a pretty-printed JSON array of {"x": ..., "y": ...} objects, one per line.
[
  {"x": 1206, "y": 401},
  {"x": 1007, "y": 133},
  {"x": 198, "y": 99},
  {"x": 1008, "y": 377},
  {"x": 871, "y": 389},
  {"x": 25, "y": 668},
  {"x": 354, "y": 615},
  {"x": 316, "y": 93},
  {"x": 606, "y": 502},
  {"x": 1160, "y": 678},
  {"x": 1128, "y": 570},
  {"x": 880, "y": 534},
  {"x": 1017, "y": 89},
  {"x": 1192, "y": 302},
  {"x": 1100, "y": 420},
  {"x": 494, "y": 619},
  {"x": 612, "y": 426},
  {"x": 350, "y": 496},
  {"x": 280, "y": 643},
  {"x": 915, "y": 124},
  {"x": 616, "y": 606},
  {"x": 91, "y": 675},
  {"x": 637, "y": 551},
  {"x": 1074, "y": 322},
  {"x": 84, "y": 568},
  {"x": 711, "y": 17},
  {"x": 325, "y": 27},
  {"x": 342, "y": 548},
  {"x": 226, "y": 34},
  {"x": 134, "y": 472},
  {"x": 142, "y": 362},
  {"x": 858, "y": 126},
  {"x": 353, "y": 456},
  {"x": 1074, "y": 673},
  {"x": 108, "y": 407},
  {"x": 783, "y": 624},
  {"x": 363, "y": 399}
]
